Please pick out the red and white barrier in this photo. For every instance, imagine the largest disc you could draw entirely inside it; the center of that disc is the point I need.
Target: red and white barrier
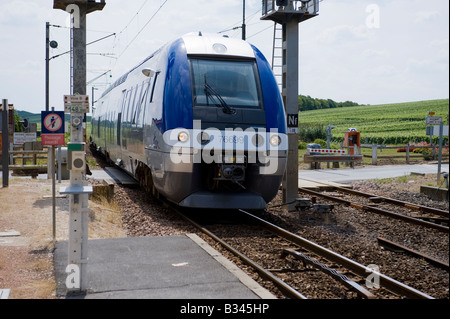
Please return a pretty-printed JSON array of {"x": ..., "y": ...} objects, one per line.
[{"x": 325, "y": 151}]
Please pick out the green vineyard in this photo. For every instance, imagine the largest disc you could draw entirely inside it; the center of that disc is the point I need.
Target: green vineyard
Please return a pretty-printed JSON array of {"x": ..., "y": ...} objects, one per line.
[{"x": 379, "y": 124}]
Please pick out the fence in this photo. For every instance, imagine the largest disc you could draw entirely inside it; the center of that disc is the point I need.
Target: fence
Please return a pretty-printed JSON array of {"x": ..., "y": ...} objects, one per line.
[
  {"x": 432, "y": 155},
  {"x": 29, "y": 152}
]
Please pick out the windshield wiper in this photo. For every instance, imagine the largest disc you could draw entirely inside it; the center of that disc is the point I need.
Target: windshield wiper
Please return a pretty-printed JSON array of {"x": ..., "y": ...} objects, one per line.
[{"x": 211, "y": 91}]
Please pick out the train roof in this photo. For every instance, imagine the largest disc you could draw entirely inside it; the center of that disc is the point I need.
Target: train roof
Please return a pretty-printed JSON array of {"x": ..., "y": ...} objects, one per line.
[
  {"x": 214, "y": 44},
  {"x": 197, "y": 43}
]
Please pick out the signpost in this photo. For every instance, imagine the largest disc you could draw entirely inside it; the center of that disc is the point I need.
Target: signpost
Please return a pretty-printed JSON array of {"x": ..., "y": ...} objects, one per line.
[
  {"x": 76, "y": 104},
  {"x": 5, "y": 143},
  {"x": 22, "y": 138},
  {"x": 53, "y": 134},
  {"x": 53, "y": 128},
  {"x": 431, "y": 119}
]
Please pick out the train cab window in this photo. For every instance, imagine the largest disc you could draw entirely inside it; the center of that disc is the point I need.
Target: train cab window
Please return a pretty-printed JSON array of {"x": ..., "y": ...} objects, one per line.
[{"x": 236, "y": 82}]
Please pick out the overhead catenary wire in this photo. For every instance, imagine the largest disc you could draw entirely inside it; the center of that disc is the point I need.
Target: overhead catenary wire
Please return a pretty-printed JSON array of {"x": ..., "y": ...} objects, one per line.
[
  {"x": 142, "y": 29},
  {"x": 118, "y": 36},
  {"x": 134, "y": 17},
  {"x": 95, "y": 41}
]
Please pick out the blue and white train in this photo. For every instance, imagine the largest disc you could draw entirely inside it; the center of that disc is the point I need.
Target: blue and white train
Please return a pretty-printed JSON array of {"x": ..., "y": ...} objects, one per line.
[{"x": 201, "y": 122}]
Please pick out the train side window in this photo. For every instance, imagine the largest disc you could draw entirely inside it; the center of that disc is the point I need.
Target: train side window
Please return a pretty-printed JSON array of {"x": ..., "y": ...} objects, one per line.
[
  {"x": 133, "y": 104},
  {"x": 141, "y": 110},
  {"x": 111, "y": 128},
  {"x": 119, "y": 124},
  {"x": 130, "y": 97},
  {"x": 138, "y": 104},
  {"x": 125, "y": 94},
  {"x": 153, "y": 88},
  {"x": 98, "y": 126}
]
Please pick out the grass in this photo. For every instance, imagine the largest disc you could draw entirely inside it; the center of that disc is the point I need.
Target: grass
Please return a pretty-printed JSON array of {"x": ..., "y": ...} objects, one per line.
[{"x": 379, "y": 124}]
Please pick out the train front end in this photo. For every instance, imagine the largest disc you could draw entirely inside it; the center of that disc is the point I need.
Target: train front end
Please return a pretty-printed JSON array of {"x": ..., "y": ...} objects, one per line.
[{"x": 225, "y": 125}]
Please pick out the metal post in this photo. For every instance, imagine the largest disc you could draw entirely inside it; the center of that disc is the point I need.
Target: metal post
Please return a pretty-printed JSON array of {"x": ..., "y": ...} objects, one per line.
[
  {"x": 407, "y": 153},
  {"x": 79, "y": 203},
  {"x": 79, "y": 200},
  {"x": 441, "y": 133},
  {"x": 374, "y": 154},
  {"x": 47, "y": 94},
  {"x": 290, "y": 189},
  {"x": 5, "y": 144},
  {"x": 244, "y": 26},
  {"x": 47, "y": 67},
  {"x": 290, "y": 16},
  {"x": 59, "y": 164},
  {"x": 52, "y": 172}
]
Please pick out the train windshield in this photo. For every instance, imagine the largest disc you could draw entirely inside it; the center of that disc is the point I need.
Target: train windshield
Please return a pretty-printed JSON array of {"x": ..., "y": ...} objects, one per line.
[{"x": 234, "y": 84}]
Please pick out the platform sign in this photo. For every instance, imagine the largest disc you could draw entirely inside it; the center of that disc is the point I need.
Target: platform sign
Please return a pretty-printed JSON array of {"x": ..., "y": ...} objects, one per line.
[
  {"x": 431, "y": 120},
  {"x": 53, "y": 128},
  {"x": 22, "y": 138},
  {"x": 435, "y": 130},
  {"x": 76, "y": 103},
  {"x": 292, "y": 123}
]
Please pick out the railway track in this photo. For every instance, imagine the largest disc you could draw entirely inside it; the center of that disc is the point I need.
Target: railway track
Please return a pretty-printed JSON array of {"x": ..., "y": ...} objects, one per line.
[
  {"x": 290, "y": 260},
  {"x": 348, "y": 273},
  {"x": 402, "y": 213}
]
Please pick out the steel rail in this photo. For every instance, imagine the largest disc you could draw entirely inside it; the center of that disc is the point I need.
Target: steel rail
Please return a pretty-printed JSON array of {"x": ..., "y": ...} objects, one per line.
[
  {"x": 380, "y": 211},
  {"x": 421, "y": 208},
  {"x": 391, "y": 245},
  {"x": 360, "y": 270},
  {"x": 287, "y": 290}
]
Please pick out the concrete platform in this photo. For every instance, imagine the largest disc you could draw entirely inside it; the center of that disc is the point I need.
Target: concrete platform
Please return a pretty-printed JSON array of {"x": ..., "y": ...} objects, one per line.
[
  {"x": 174, "y": 267},
  {"x": 349, "y": 175},
  {"x": 112, "y": 174}
]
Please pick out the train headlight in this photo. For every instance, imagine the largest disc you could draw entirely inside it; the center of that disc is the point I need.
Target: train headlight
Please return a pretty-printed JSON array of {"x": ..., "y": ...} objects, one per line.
[
  {"x": 275, "y": 140},
  {"x": 183, "y": 137},
  {"x": 258, "y": 140},
  {"x": 203, "y": 138}
]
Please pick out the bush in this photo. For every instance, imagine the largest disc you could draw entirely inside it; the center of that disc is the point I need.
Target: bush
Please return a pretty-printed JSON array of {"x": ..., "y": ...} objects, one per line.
[
  {"x": 309, "y": 133},
  {"x": 322, "y": 142},
  {"x": 302, "y": 145}
]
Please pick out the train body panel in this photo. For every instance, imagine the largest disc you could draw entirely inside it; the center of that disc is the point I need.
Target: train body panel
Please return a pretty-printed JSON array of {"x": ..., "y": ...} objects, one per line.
[{"x": 201, "y": 121}]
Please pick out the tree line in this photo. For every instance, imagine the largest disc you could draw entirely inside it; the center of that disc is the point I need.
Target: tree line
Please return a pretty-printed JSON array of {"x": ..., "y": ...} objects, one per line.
[{"x": 307, "y": 103}]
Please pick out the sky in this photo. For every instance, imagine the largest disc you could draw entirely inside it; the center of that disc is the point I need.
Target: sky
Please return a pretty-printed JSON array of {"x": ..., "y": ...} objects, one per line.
[{"x": 366, "y": 51}]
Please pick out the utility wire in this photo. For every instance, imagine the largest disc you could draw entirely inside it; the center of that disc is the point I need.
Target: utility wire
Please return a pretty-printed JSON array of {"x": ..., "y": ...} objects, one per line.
[
  {"x": 95, "y": 41},
  {"x": 271, "y": 26},
  {"x": 134, "y": 17},
  {"x": 142, "y": 29}
]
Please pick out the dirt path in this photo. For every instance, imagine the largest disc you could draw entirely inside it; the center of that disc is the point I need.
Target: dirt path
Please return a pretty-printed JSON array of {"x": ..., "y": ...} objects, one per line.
[{"x": 26, "y": 261}]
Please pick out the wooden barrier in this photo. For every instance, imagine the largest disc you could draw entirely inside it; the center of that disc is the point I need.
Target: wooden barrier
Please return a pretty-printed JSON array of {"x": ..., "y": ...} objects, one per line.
[
  {"x": 315, "y": 160},
  {"x": 32, "y": 169}
]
